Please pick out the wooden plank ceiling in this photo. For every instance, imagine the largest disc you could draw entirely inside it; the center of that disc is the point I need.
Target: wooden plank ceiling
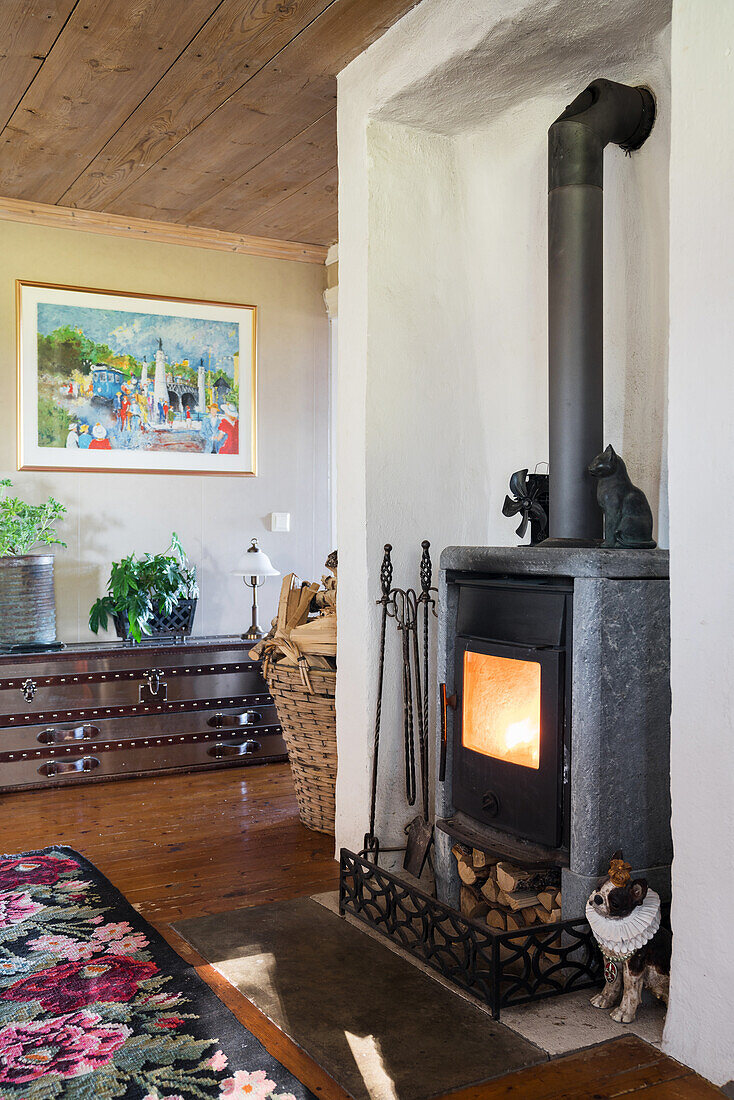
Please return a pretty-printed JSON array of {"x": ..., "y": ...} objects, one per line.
[{"x": 212, "y": 113}]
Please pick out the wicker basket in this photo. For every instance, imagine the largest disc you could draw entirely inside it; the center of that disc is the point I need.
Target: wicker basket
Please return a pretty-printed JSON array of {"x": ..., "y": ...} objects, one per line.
[{"x": 305, "y": 705}]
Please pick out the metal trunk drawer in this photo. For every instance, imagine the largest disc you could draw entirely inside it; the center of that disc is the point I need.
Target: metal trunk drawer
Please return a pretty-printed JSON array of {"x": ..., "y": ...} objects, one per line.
[
  {"x": 64, "y": 736},
  {"x": 111, "y": 710},
  {"x": 109, "y": 686},
  {"x": 161, "y": 754}
]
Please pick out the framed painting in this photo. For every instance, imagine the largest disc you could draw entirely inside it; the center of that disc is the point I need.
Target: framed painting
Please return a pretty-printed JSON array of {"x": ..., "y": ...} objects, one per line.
[{"x": 133, "y": 383}]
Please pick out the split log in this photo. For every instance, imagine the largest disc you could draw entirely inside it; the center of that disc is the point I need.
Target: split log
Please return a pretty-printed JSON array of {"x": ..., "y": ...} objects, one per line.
[
  {"x": 317, "y": 636},
  {"x": 298, "y": 607},
  {"x": 515, "y": 923},
  {"x": 496, "y": 918},
  {"x": 549, "y": 918},
  {"x": 522, "y": 899},
  {"x": 290, "y": 580},
  {"x": 490, "y": 891},
  {"x": 473, "y": 905},
  {"x": 512, "y": 878},
  {"x": 547, "y": 898},
  {"x": 481, "y": 861},
  {"x": 530, "y": 916},
  {"x": 467, "y": 874}
]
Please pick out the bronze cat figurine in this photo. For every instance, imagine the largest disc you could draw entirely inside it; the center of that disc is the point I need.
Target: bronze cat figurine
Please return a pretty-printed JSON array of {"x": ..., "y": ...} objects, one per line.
[{"x": 627, "y": 514}]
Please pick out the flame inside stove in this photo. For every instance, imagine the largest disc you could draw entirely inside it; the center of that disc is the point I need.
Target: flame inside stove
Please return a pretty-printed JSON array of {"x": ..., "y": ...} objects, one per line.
[{"x": 501, "y": 708}]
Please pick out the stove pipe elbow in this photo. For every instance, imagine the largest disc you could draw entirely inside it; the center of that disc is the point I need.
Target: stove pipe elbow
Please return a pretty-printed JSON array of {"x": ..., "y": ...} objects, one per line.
[{"x": 604, "y": 113}]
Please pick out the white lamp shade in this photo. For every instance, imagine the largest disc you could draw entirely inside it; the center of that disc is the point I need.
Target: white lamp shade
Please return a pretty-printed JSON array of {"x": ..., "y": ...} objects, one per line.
[{"x": 255, "y": 563}]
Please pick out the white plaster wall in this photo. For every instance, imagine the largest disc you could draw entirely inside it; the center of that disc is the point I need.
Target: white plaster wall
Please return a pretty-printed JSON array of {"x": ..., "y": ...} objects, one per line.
[
  {"x": 396, "y": 423},
  {"x": 700, "y": 1023},
  {"x": 443, "y": 343},
  {"x": 110, "y": 515},
  {"x": 503, "y": 170}
]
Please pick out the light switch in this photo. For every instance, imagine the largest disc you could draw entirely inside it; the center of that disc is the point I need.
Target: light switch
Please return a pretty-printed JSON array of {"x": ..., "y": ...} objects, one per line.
[{"x": 280, "y": 521}]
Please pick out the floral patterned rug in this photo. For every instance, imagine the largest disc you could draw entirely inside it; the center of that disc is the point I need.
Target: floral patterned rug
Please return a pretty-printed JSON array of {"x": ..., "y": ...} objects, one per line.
[{"x": 94, "y": 1004}]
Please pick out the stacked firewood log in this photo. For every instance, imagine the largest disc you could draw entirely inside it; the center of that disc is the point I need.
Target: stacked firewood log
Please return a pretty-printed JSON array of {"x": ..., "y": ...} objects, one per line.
[
  {"x": 305, "y": 625},
  {"x": 506, "y": 897}
]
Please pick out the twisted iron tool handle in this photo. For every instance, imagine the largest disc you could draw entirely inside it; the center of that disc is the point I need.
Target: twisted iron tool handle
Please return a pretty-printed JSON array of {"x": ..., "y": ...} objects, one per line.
[
  {"x": 425, "y": 599},
  {"x": 386, "y": 574},
  {"x": 386, "y": 570},
  {"x": 426, "y": 571}
]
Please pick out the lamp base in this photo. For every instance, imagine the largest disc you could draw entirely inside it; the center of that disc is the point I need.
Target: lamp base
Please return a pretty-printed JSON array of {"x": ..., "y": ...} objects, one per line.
[{"x": 254, "y": 634}]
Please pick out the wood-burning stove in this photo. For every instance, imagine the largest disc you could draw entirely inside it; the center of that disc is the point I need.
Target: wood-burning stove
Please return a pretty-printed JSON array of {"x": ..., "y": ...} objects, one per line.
[
  {"x": 512, "y": 722},
  {"x": 593, "y": 625}
]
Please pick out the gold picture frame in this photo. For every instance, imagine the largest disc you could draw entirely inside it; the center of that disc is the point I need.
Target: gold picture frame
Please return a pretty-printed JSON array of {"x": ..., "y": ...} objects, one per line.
[{"x": 87, "y": 394}]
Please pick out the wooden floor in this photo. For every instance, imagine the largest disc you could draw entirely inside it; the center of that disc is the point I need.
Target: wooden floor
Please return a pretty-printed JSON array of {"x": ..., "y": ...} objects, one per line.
[
  {"x": 621, "y": 1067},
  {"x": 183, "y": 846}
]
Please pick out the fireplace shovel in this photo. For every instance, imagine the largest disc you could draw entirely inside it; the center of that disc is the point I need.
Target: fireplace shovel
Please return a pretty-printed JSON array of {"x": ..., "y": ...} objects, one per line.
[
  {"x": 420, "y": 838},
  {"x": 420, "y": 830}
]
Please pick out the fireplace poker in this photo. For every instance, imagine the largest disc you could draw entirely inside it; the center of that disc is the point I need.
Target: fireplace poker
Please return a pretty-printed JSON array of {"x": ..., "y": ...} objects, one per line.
[
  {"x": 429, "y": 605},
  {"x": 419, "y": 831},
  {"x": 371, "y": 843},
  {"x": 406, "y": 616}
]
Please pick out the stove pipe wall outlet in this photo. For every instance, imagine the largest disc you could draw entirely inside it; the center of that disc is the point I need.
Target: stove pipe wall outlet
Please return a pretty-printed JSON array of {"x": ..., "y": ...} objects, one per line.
[{"x": 605, "y": 112}]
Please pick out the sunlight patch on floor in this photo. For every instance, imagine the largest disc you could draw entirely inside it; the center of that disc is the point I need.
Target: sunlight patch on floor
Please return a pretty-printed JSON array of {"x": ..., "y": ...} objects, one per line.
[{"x": 368, "y": 1057}]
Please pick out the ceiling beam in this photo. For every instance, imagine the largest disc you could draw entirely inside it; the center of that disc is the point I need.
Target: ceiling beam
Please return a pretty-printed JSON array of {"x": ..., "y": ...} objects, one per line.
[{"x": 113, "y": 225}]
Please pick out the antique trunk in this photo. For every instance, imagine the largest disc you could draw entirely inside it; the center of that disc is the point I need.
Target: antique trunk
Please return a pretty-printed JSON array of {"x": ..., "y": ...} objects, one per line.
[{"x": 110, "y": 710}]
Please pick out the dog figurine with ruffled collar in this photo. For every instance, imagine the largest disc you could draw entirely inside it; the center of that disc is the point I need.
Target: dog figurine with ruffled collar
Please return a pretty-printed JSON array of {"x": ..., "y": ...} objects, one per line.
[{"x": 625, "y": 918}]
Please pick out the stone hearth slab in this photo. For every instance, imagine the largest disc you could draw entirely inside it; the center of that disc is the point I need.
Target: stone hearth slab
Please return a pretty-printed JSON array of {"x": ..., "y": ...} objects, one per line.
[
  {"x": 563, "y": 1024},
  {"x": 558, "y": 1025},
  {"x": 379, "y": 1026}
]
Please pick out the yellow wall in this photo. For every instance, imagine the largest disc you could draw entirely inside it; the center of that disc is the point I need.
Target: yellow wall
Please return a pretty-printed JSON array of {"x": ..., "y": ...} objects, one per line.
[{"x": 111, "y": 515}]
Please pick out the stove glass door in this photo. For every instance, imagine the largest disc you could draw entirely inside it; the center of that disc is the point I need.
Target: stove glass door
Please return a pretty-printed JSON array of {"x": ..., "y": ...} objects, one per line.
[
  {"x": 508, "y": 738},
  {"x": 501, "y": 708}
]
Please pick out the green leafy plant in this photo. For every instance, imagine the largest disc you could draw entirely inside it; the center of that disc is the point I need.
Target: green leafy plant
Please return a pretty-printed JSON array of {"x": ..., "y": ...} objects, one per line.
[
  {"x": 24, "y": 526},
  {"x": 138, "y": 587}
]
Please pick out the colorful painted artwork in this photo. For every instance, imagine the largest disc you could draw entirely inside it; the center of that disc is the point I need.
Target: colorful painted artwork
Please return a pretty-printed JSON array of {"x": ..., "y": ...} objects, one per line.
[{"x": 126, "y": 383}]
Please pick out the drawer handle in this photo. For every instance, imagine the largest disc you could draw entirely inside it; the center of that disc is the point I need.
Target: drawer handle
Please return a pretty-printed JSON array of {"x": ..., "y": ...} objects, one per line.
[
  {"x": 28, "y": 689},
  {"x": 58, "y": 767},
  {"x": 244, "y": 718},
  {"x": 222, "y": 751},
  {"x": 155, "y": 688},
  {"x": 76, "y": 733}
]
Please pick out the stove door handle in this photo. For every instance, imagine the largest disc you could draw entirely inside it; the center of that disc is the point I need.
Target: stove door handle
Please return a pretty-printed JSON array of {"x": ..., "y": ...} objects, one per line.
[{"x": 446, "y": 701}]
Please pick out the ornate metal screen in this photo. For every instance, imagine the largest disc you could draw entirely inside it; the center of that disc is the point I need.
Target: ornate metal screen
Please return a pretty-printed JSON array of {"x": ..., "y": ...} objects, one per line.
[{"x": 499, "y": 968}]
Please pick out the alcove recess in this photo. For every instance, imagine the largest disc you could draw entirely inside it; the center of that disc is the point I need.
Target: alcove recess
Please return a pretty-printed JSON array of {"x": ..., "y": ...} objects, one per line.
[{"x": 505, "y": 897}]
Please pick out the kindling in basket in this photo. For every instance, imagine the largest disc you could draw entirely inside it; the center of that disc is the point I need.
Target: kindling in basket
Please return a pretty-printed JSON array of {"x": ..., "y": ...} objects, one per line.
[{"x": 301, "y": 676}]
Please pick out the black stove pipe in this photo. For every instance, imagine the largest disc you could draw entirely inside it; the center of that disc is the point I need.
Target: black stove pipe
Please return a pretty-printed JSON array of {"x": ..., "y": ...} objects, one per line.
[{"x": 605, "y": 112}]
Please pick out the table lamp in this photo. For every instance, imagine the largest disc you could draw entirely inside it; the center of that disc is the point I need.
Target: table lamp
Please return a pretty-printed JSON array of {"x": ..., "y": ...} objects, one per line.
[{"x": 254, "y": 567}]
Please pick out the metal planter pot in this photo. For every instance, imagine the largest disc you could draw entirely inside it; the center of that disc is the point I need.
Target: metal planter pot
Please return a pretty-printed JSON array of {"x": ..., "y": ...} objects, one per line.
[
  {"x": 178, "y": 624},
  {"x": 27, "y": 603}
]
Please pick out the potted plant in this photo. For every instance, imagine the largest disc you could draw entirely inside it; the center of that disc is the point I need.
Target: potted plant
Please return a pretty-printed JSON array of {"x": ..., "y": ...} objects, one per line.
[
  {"x": 27, "y": 604},
  {"x": 152, "y": 595}
]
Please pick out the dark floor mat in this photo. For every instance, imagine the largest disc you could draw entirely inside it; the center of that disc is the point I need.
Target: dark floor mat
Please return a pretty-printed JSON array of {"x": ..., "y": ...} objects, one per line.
[{"x": 376, "y": 1023}]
